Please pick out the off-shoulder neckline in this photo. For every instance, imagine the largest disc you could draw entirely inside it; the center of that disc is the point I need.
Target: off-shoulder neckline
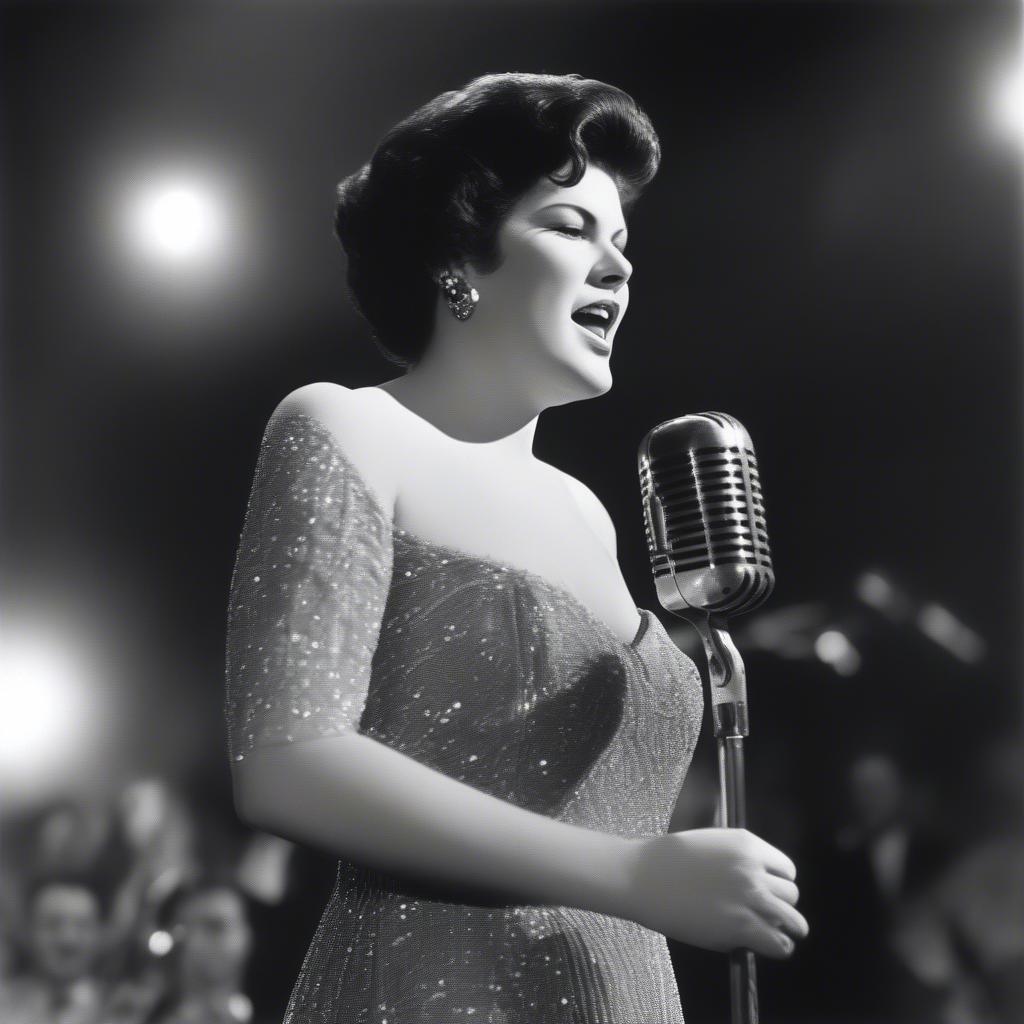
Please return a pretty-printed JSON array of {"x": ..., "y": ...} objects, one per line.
[{"x": 647, "y": 618}]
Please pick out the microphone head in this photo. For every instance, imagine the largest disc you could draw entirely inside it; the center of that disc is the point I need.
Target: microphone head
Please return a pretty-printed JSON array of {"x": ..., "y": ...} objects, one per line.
[{"x": 704, "y": 516}]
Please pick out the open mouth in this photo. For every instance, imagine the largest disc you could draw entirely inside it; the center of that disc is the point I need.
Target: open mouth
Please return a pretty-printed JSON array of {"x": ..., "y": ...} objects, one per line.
[{"x": 597, "y": 318}]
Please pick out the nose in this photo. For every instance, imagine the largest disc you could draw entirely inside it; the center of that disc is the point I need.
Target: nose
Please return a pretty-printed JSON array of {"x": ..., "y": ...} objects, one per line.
[{"x": 613, "y": 270}]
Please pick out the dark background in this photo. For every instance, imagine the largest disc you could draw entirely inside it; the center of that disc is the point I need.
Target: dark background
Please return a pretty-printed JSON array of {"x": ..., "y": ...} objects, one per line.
[{"x": 831, "y": 252}]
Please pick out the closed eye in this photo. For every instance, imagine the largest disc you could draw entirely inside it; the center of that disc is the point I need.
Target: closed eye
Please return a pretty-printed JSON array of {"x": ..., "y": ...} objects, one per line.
[{"x": 573, "y": 232}]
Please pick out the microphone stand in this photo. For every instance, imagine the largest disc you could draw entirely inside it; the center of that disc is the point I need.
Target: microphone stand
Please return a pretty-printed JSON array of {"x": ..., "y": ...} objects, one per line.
[{"x": 729, "y": 714}]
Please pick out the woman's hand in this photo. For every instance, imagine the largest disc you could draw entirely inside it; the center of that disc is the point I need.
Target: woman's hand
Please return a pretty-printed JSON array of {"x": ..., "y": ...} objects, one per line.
[{"x": 716, "y": 888}]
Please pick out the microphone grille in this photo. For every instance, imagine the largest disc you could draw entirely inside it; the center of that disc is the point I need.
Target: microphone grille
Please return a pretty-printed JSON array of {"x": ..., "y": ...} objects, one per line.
[{"x": 704, "y": 514}]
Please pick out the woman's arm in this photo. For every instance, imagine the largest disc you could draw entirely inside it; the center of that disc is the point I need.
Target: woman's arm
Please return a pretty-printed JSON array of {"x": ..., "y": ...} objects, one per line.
[{"x": 360, "y": 800}]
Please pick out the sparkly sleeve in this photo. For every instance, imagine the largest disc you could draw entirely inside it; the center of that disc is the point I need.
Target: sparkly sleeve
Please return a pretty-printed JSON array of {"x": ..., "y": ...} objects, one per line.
[{"x": 308, "y": 589}]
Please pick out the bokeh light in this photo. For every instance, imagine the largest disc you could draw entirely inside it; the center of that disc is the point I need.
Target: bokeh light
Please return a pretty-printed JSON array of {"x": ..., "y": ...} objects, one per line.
[{"x": 834, "y": 648}]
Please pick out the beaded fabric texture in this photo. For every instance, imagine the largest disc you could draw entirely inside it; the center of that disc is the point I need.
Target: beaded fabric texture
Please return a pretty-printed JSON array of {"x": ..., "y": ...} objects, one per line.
[{"x": 485, "y": 672}]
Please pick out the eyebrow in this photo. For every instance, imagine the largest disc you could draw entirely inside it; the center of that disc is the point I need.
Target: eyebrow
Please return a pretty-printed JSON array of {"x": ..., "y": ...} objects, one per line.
[{"x": 587, "y": 215}]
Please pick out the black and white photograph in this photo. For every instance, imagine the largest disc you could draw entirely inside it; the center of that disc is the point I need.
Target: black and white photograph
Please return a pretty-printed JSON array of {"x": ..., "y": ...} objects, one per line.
[{"x": 513, "y": 512}]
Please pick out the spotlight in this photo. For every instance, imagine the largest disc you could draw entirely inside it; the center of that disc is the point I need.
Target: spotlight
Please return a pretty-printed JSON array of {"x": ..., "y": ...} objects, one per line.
[
  {"x": 177, "y": 222},
  {"x": 1006, "y": 102},
  {"x": 41, "y": 701},
  {"x": 55, "y": 701}
]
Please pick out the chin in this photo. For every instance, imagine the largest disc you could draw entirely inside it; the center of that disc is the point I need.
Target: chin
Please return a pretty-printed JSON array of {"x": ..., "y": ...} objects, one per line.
[
  {"x": 599, "y": 380},
  {"x": 574, "y": 381}
]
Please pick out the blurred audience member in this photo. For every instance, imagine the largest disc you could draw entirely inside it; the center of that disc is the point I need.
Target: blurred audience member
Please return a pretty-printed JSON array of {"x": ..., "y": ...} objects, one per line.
[
  {"x": 204, "y": 972},
  {"x": 64, "y": 943},
  {"x": 965, "y": 933},
  {"x": 161, "y": 835},
  {"x": 888, "y": 849},
  {"x": 892, "y": 833},
  {"x": 82, "y": 833}
]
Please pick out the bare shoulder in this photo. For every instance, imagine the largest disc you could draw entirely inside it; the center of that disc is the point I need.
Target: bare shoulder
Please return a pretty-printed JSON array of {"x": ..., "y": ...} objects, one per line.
[
  {"x": 593, "y": 508},
  {"x": 358, "y": 427}
]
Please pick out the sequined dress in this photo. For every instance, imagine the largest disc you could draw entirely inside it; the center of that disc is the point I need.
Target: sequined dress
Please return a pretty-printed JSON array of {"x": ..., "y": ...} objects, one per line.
[{"x": 338, "y": 620}]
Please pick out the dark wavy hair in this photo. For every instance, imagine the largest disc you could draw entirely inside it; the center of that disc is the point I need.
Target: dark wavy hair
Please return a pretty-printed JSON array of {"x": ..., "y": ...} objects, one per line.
[
  {"x": 209, "y": 880},
  {"x": 70, "y": 877},
  {"x": 439, "y": 185}
]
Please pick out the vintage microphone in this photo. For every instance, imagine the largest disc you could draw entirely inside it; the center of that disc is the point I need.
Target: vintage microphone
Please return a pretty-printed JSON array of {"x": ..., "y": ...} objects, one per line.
[{"x": 709, "y": 553}]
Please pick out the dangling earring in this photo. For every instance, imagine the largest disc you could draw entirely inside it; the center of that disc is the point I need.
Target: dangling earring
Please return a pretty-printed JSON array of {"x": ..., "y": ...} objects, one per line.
[{"x": 461, "y": 297}]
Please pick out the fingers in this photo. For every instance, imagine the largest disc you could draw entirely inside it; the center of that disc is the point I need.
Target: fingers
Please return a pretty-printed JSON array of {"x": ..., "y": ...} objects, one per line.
[
  {"x": 775, "y": 861},
  {"x": 763, "y": 936},
  {"x": 783, "y": 888},
  {"x": 767, "y": 936},
  {"x": 779, "y": 916}
]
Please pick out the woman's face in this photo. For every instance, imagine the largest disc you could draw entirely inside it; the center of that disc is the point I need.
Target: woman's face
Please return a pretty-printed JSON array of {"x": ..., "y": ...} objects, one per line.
[{"x": 562, "y": 249}]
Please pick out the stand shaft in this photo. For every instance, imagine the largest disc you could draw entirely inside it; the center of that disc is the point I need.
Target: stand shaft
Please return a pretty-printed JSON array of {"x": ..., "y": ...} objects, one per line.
[{"x": 742, "y": 971}]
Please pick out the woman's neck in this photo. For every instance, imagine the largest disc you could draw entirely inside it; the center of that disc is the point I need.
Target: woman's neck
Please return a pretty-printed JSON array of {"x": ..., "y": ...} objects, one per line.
[{"x": 471, "y": 408}]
